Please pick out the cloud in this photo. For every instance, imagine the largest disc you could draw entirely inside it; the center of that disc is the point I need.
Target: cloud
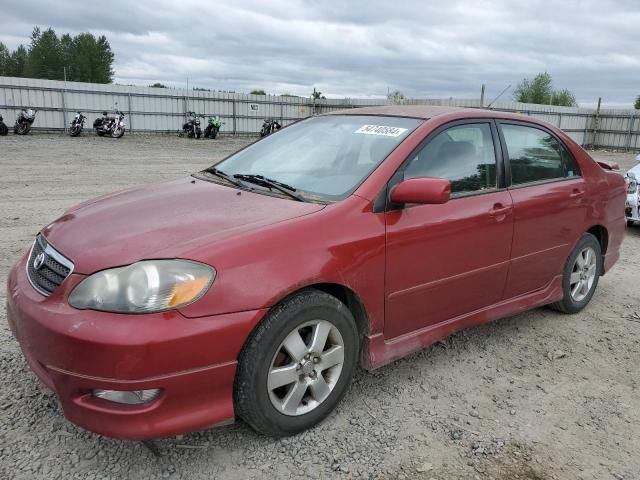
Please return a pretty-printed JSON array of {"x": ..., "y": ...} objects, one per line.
[{"x": 358, "y": 48}]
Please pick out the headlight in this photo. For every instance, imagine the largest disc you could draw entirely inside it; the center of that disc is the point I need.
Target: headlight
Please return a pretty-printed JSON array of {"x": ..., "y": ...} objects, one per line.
[{"x": 147, "y": 286}]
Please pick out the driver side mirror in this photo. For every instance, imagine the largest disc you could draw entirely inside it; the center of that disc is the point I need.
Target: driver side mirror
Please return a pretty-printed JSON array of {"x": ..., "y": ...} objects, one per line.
[{"x": 422, "y": 190}]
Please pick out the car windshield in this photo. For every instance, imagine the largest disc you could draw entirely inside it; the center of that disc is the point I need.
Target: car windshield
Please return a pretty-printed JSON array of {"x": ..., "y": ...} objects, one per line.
[{"x": 325, "y": 157}]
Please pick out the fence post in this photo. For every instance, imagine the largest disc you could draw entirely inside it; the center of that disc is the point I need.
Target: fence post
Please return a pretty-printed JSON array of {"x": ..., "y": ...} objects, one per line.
[
  {"x": 64, "y": 111},
  {"x": 596, "y": 121},
  {"x": 631, "y": 121},
  {"x": 482, "y": 96},
  {"x": 129, "y": 111},
  {"x": 560, "y": 120},
  {"x": 233, "y": 103}
]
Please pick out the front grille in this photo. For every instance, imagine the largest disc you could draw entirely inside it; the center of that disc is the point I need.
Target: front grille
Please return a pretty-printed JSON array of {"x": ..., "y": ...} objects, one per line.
[{"x": 47, "y": 268}]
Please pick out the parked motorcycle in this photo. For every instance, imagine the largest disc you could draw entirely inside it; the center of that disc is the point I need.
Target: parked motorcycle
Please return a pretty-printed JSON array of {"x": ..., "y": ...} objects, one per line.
[
  {"x": 110, "y": 124},
  {"x": 269, "y": 126},
  {"x": 191, "y": 128},
  {"x": 77, "y": 124},
  {"x": 3, "y": 128},
  {"x": 213, "y": 127},
  {"x": 24, "y": 121}
]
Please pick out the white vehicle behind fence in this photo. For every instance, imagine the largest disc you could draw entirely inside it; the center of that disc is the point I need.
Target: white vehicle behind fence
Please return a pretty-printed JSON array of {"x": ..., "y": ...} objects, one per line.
[{"x": 632, "y": 208}]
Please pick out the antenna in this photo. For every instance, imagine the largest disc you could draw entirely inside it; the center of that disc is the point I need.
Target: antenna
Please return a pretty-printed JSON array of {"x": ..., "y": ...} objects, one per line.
[{"x": 501, "y": 93}]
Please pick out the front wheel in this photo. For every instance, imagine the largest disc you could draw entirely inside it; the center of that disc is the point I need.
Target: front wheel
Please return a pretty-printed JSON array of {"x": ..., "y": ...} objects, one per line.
[
  {"x": 214, "y": 133},
  {"x": 118, "y": 132},
  {"x": 4, "y": 130},
  {"x": 297, "y": 364},
  {"x": 22, "y": 128},
  {"x": 580, "y": 277},
  {"x": 75, "y": 130}
]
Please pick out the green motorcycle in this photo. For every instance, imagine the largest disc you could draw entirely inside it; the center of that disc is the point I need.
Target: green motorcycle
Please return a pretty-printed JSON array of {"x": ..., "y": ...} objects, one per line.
[{"x": 213, "y": 127}]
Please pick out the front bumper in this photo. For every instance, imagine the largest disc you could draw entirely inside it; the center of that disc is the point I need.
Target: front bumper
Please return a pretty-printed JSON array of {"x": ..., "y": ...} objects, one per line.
[{"x": 191, "y": 360}]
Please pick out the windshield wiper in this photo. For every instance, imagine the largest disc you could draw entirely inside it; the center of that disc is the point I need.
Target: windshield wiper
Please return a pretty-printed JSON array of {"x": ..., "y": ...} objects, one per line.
[
  {"x": 227, "y": 177},
  {"x": 271, "y": 184}
]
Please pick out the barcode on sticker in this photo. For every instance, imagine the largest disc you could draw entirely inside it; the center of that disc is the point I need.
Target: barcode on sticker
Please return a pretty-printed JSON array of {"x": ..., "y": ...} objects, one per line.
[{"x": 381, "y": 130}]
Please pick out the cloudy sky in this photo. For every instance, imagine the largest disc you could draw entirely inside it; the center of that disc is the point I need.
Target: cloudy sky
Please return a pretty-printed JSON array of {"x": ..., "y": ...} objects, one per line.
[{"x": 358, "y": 48}]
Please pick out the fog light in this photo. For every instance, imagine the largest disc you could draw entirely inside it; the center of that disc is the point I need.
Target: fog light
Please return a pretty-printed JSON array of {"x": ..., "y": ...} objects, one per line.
[{"x": 133, "y": 397}]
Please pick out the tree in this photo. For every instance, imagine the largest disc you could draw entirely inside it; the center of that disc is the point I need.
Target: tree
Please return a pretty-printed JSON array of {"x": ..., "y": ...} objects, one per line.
[
  {"x": 317, "y": 95},
  {"x": 85, "y": 58},
  {"x": 258, "y": 92},
  {"x": 159, "y": 85},
  {"x": 17, "y": 62},
  {"x": 637, "y": 104},
  {"x": 45, "y": 56},
  {"x": 5, "y": 56},
  {"x": 396, "y": 96},
  {"x": 540, "y": 90}
]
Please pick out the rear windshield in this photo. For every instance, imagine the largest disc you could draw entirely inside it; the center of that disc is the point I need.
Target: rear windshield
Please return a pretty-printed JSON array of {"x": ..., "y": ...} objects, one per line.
[{"x": 324, "y": 157}]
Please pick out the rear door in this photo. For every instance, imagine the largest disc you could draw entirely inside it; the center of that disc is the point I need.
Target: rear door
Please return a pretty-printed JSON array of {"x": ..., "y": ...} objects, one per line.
[
  {"x": 548, "y": 200},
  {"x": 446, "y": 260}
]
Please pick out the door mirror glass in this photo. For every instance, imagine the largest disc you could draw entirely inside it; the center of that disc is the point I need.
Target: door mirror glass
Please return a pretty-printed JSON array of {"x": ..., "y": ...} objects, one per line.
[{"x": 422, "y": 190}]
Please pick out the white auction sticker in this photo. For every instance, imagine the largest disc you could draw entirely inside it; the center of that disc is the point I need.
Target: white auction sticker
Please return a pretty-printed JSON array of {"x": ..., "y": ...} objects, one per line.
[{"x": 381, "y": 130}]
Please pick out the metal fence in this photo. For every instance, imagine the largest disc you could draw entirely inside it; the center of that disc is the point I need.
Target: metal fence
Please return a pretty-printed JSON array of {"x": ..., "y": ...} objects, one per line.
[{"x": 163, "y": 109}]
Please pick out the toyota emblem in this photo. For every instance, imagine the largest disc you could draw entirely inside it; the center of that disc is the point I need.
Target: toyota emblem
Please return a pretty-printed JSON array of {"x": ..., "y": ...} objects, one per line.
[{"x": 38, "y": 261}]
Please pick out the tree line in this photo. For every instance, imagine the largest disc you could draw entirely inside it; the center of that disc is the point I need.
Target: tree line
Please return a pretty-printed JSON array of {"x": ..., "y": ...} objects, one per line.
[{"x": 85, "y": 58}]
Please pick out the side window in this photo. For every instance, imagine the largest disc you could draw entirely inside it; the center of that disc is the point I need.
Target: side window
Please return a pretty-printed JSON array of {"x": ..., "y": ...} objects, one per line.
[
  {"x": 536, "y": 156},
  {"x": 463, "y": 154}
]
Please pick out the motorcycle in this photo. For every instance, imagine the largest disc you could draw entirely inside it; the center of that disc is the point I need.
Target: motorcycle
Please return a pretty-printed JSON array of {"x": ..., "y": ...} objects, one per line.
[
  {"x": 110, "y": 124},
  {"x": 3, "y": 128},
  {"x": 77, "y": 124},
  {"x": 213, "y": 127},
  {"x": 269, "y": 126},
  {"x": 191, "y": 128},
  {"x": 24, "y": 121}
]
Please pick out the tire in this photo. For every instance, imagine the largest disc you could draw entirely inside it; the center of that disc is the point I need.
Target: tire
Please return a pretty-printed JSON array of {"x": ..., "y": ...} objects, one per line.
[
  {"x": 306, "y": 312},
  {"x": 100, "y": 133},
  {"x": 117, "y": 133},
  {"x": 629, "y": 222},
  {"x": 4, "y": 130},
  {"x": 214, "y": 133},
  {"x": 22, "y": 128},
  {"x": 575, "y": 299},
  {"x": 75, "y": 130}
]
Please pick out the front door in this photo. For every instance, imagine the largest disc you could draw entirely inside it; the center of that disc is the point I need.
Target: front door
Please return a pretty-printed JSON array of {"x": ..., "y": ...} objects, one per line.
[{"x": 443, "y": 261}]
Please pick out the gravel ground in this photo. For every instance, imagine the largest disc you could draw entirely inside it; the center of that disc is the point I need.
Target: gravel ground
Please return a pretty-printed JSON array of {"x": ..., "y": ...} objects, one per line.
[{"x": 536, "y": 396}]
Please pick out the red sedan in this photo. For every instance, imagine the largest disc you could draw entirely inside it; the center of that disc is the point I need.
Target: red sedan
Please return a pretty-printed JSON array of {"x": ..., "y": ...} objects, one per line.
[{"x": 252, "y": 289}]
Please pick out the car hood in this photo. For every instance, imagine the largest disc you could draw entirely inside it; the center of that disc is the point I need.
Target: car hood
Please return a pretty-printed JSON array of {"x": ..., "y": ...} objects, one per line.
[{"x": 166, "y": 220}]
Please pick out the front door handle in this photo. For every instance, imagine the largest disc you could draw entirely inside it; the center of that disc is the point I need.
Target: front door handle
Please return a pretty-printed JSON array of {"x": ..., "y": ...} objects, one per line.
[
  {"x": 576, "y": 193},
  {"x": 499, "y": 210}
]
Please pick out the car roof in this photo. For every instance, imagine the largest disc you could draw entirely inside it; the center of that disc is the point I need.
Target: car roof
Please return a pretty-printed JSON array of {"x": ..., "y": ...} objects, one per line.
[
  {"x": 414, "y": 111},
  {"x": 426, "y": 112}
]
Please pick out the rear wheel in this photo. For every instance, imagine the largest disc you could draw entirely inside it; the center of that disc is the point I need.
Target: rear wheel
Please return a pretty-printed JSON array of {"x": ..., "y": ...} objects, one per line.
[
  {"x": 581, "y": 273},
  {"x": 4, "y": 130},
  {"x": 297, "y": 364},
  {"x": 214, "y": 133},
  {"x": 630, "y": 223}
]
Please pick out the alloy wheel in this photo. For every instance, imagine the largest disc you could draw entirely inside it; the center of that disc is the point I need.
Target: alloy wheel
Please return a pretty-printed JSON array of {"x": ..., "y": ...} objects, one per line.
[
  {"x": 306, "y": 367},
  {"x": 583, "y": 274}
]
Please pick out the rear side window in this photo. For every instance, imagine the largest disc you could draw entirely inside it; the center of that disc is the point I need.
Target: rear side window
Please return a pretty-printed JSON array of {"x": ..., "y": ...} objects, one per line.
[
  {"x": 463, "y": 154},
  {"x": 536, "y": 156}
]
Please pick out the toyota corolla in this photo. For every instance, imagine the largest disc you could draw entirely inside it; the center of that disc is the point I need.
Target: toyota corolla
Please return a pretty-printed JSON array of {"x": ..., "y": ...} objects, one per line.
[{"x": 254, "y": 288}]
